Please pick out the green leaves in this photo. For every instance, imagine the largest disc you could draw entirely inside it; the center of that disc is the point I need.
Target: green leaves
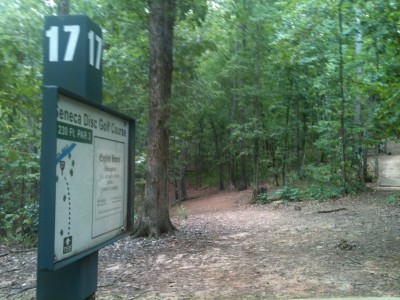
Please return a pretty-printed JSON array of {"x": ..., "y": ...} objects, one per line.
[{"x": 254, "y": 82}]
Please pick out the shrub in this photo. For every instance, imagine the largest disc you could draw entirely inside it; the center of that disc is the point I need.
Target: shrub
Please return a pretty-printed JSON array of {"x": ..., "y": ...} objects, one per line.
[
  {"x": 393, "y": 199},
  {"x": 262, "y": 199},
  {"x": 322, "y": 192},
  {"x": 19, "y": 225},
  {"x": 289, "y": 194}
]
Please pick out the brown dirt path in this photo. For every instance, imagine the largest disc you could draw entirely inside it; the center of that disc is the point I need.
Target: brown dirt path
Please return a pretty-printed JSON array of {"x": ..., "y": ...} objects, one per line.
[
  {"x": 227, "y": 249},
  {"x": 389, "y": 166}
]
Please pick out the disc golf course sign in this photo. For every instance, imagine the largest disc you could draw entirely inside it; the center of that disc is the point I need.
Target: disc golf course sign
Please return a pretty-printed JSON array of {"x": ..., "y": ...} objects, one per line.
[
  {"x": 91, "y": 171},
  {"x": 87, "y": 163}
]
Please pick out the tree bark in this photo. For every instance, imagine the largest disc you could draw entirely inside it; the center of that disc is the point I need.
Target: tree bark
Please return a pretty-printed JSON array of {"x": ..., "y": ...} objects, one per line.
[
  {"x": 232, "y": 159},
  {"x": 63, "y": 7},
  {"x": 286, "y": 144},
  {"x": 271, "y": 146},
  {"x": 257, "y": 111},
  {"x": 359, "y": 149},
  {"x": 343, "y": 136},
  {"x": 154, "y": 219},
  {"x": 181, "y": 182},
  {"x": 243, "y": 157},
  {"x": 298, "y": 137},
  {"x": 373, "y": 100},
  {"x": 218, "y": 155}
]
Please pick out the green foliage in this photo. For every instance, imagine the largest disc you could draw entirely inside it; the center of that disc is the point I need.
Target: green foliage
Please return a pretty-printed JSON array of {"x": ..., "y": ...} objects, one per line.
[
  {"x": 323, "y": 174},
  {"x": 393, "y": 199},
  {"x": 255, "y": 92},
  {"x": 325, "y": 181},
  {"x": 21, "y": 26},
  {"x": 289, "y": 194},
  {"x": 19, "y": 225},
  {"x": 322, "y": 191},
  {"x": 263, "y": 198}
]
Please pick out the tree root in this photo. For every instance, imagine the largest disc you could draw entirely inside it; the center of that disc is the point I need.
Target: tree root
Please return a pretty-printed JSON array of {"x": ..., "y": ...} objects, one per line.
[
  {"x": 146, "y": 229},
  {"x": 331, "y": 210}
]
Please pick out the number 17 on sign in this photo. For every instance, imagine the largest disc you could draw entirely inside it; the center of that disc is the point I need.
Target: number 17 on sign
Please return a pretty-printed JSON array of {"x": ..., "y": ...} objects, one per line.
[{"x": 72, "y": 34}]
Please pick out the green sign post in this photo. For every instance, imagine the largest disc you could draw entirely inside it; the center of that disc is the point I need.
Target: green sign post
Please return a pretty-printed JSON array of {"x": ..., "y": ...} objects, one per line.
[{"x": 87, "y": 163}]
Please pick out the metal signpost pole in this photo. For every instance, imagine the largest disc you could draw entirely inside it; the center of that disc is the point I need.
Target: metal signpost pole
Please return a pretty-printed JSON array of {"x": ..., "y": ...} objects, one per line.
[{"x": 87, "y": 163}]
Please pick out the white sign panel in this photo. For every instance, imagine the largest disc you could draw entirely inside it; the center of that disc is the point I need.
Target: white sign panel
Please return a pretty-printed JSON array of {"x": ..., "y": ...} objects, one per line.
[
  {"x": 91, "y": 177},
  {"x": 108, "y": 185}
]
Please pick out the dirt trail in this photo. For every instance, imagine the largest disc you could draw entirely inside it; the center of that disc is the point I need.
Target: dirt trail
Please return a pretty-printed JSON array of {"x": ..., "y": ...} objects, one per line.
[
  {"x": 227, "y": 249},
  {"x": 389, "y": 166}
]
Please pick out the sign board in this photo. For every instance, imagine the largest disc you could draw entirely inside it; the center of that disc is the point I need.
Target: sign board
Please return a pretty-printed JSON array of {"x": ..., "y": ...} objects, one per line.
[
  {"x": 73, "y": 55},
  {"x": 89, "y": 153},
  {"x": 87, "y": 163}
]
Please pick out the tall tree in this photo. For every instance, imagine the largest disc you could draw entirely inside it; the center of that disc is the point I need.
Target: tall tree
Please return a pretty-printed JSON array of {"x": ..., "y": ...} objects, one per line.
[
  {"x": 341, "y": 95},
  {"x": 155, "y": 219},
  {"x": 63, "y": 7}
]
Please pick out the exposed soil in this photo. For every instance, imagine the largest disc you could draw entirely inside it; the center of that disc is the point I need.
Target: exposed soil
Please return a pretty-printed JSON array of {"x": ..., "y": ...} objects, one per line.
[
  {"x": 228, "y": 249},
  {"x": 389, "y": 166}
]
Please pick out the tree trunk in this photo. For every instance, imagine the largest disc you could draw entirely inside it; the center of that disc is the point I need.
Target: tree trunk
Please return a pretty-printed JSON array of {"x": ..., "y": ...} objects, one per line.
[
  {"x": 373, "y": 101},
  {"x": 341, "y": 97},
  {"x": 232, "y": 159},
  {"x": 243, "y": 146},
  {"x": 257, "y": 111},
  {"x": 298, "y": 137},
  {"x": 182, "y": 192},
  {"x": 154, "y": 219},
  {"x": 376, "y": 162},
  {"x": 272, "y": 150},
  {"x": 285, "y": 146},
  {"x": 182, "y": 185},
  {"x": 303, "y": 142},
  {"x": 358, "y": 147},
  {"x": 63, "y": 7},
  {"x": 218, "y": 156},
  {"x": 243, "y": 160},
  {"x": 198, "y": 163}
]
